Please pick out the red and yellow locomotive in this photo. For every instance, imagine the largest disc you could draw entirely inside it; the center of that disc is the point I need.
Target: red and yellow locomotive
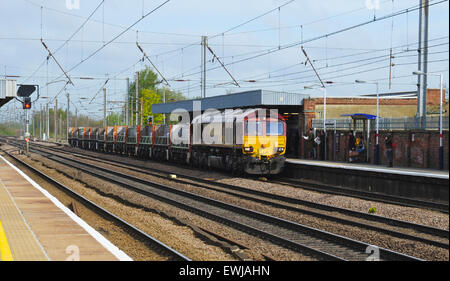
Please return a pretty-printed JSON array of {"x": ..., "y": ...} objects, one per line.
[{"x": 251, "y": 141}]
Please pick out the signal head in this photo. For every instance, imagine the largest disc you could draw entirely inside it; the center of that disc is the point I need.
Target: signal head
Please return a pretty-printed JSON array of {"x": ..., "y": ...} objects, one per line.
[{"x": 27, "y": 103}]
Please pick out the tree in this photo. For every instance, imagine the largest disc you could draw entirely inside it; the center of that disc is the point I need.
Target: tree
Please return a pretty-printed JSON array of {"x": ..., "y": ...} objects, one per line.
[
  {"x": 151, "y": 97},
  {"x": 152, "y": 91},
  {"x": 114, "y": 119},
  {"x": 7, "y": 130}
]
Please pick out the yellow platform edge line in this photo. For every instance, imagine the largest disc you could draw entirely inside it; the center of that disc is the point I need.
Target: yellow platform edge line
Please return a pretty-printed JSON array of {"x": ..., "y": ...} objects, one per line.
[{"x": 5, "y": 251}]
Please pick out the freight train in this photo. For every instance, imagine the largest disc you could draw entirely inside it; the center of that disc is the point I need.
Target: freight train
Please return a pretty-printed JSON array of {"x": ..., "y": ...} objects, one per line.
[{"x": 251, "y": 141}]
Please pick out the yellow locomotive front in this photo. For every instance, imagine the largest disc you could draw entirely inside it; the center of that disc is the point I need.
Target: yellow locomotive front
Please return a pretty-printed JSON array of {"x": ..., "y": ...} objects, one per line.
[
  {"x": 252, "y": 141},
  {"x": 264, "y": 144}
]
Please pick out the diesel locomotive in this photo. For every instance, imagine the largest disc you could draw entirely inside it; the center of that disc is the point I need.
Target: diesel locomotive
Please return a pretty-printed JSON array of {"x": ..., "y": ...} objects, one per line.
[{"x": 251, "y": 141}]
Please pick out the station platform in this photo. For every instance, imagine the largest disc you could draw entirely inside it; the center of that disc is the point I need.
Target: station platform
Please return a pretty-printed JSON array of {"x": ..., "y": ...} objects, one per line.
[
  {"x": 374, "y": 168},
  {"x": 35, "y": 226},
  {"x": 420, "y": 184}
]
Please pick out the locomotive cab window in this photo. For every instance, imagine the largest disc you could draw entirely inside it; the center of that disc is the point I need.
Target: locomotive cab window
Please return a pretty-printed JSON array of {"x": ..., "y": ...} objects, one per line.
[
  {"x": 275, "y": 129},
  {"x": 261, "y": 128},
  {"x": 253, "y": 128}
]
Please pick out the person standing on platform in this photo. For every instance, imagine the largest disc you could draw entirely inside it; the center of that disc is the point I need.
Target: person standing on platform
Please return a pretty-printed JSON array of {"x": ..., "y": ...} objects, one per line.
[
  {"x": 310, "y": 143},
  {"x": 321, "y": 144},
  {"x": 389, "y": 149},
  {"x": 351, "y": 145}
]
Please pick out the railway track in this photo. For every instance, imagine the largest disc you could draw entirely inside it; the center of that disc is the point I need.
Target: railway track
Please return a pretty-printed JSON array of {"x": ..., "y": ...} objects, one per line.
[
  {"x": 156, "y": 245},
  {"x": 317, "y": 243},
  {"x": 335, "y": 190},
  {"x": 343, "y": 191},
  {"x": 396, "y": 228}
]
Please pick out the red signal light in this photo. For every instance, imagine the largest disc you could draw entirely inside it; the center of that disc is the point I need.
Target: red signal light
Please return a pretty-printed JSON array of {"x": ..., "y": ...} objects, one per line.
[{"x": 27, "y": 103}]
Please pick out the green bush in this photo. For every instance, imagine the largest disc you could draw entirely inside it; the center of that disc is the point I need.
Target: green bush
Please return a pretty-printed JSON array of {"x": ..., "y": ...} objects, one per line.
[{"x": 6, "y": 131}]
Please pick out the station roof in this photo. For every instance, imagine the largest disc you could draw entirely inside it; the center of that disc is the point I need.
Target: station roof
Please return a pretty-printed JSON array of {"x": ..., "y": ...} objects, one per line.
[
  {"x": 408, "y": 94},
  {"x": 7, "y": 91},
  {"x": 4, "y": 101},
  {"x": 248, "y": 99},
  {"x": 360, "y": 116}
]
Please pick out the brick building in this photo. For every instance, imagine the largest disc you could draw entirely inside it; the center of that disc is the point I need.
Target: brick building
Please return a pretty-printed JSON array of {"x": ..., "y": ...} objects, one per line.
[
  {"x": 392, "y": 106},
  {"x": 415, "y": 148}
]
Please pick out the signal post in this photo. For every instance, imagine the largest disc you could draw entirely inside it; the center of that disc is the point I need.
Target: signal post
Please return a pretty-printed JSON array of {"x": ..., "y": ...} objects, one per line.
[{"x": 25, "y": 91}]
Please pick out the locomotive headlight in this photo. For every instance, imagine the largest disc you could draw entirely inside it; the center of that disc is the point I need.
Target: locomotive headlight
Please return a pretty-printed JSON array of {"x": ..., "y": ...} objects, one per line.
[
  {"x": 280, "y": 149},
  {"x": 248, "y": 149}
]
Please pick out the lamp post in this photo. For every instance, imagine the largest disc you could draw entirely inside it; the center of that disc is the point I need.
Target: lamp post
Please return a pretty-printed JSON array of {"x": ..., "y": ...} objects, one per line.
[
  {"x": 324, "y": 101},
  {"x": 377, "y": 146},
  {"x": 324, "y": 89},
  {"x": 43, "y": 121},
  {"x": 76, "y": 119},
  {"x": 441, "y": 148},
  {"x": 56, "y": 108}
]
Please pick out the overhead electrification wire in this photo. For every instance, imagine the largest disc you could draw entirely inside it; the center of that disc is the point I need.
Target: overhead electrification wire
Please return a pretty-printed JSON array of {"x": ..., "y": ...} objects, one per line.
[
  {"x": 274, "y": 49},
  {"x": 301, "y": 80},
  {"x": 326, "y": 35},
  {"x": 96, "y": 85},
  {"x": 364, "y": 71},
  {"x": 301, "y": 26},
  {"x": 62, "y": 45},
  {"x": 363, "y": 62},
  {"x": 233, "y": 28},
  {"x": 117, "y": 36},
  {"x": 302, "y": 40},
  {"x": 285, "y": 68},
  {"x": 103, "y": 86},
  {"x": 109, "y": 24},
  {"x": 226, "y": 31},
  {"x": 340, "y": 76},
  {"x": 386, "y": 57},
  {"x": 253, "y": 19},
  {"x": 79, "y": 28}
]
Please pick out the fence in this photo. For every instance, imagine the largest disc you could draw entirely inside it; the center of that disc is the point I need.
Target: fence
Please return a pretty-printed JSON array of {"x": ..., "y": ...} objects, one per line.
[
  {"x": 407, "y": 123},
  {"x": 414, "y": 148}
]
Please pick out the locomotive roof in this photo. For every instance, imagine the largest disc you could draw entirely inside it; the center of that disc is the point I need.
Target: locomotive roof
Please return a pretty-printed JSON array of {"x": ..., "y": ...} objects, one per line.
[
  {"x": 248, "y": 99},
  {"x": 229, "y": 116}
]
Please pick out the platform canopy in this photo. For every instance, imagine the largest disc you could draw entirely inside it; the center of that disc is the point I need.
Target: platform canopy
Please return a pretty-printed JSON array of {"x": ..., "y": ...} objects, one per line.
[
  {"x": 7, "y": 91},
  {"x": 360, "y": 116},
  {"x": 248, "y": 99}
]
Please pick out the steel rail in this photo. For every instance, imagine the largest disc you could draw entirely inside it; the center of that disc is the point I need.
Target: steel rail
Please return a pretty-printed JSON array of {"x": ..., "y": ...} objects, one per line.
[
  {"x": 332, "y": 240},
  {"x": 103, "y": 212},
  {"x": 202, "y": 182}
]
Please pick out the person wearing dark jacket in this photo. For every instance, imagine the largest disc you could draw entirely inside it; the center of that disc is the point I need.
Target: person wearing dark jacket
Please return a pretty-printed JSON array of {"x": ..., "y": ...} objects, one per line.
[
  {"x": 310, "y": 144},
  {"x": 389, "y": 146},
  {"x": 351, "y": 142},
  {"x": 322, "y": 145},
  {"x": 351, "y": 146}
]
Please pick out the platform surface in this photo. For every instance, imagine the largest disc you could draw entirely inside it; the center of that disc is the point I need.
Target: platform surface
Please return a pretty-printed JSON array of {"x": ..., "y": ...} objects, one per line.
[
  {"x": 373, "y": 168},
  {"x": 34, "y": 226}
]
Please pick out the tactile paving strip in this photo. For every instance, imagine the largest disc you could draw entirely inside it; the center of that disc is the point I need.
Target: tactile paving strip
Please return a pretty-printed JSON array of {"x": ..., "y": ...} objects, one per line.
[
  {"x": 22, "y": 242},
  {"x": 60, "y": 233}
]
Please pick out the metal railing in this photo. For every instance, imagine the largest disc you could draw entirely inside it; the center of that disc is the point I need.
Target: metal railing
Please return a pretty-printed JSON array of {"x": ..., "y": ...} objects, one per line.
[{"x": 406, "y": 123}]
